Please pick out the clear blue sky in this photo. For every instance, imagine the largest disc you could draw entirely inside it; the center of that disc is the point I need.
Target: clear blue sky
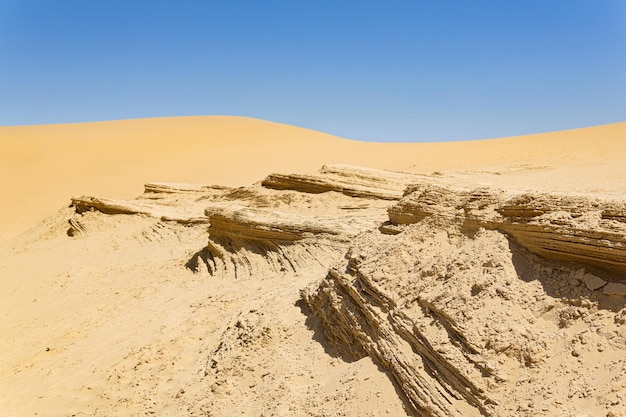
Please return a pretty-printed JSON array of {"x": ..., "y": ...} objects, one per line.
[{"x": 417, "y": 70}]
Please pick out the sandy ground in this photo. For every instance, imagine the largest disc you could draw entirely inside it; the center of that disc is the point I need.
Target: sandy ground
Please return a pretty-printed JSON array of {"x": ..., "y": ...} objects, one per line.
[
  {"x": 42, "y": 166},
  {"x": 114, "y": 324}
]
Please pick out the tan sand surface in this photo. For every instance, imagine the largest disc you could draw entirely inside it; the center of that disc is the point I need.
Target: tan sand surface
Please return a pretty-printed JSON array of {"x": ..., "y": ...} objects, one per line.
[
  {"x": 42, "y": 166},
  {"x": 118, "y": 306}
]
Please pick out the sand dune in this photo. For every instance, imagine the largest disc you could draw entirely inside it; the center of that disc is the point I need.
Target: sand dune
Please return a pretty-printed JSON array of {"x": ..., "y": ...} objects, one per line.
[
  {"x": 436, "y": 279},
  {"x": 42, "y": 166}
]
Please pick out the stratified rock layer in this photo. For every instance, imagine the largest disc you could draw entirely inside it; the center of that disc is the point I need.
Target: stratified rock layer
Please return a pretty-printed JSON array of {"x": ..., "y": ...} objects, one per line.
[
  {"x": 348, "y": 180},
  {"x": 469, "y": 321},
  {"x": 473, "y": 301},
  {"x": 564, "y": 228}
]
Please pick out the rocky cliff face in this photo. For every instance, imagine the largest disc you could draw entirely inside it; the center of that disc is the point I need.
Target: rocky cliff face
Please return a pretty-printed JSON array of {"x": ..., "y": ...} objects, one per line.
[{"x": 475, "y": 302}]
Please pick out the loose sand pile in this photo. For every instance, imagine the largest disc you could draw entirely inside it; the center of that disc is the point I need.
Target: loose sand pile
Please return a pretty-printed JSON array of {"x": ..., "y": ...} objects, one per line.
[{"x": 476, "y": 277}]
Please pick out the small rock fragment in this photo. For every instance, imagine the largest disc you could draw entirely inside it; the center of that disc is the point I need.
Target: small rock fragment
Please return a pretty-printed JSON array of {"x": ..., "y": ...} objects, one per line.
[
  {"x": 579, "y": 274},
  {"x": 614, "y": 288},
  {"x": 593, "y": 282},
  {"x": 573, "y": 281}
]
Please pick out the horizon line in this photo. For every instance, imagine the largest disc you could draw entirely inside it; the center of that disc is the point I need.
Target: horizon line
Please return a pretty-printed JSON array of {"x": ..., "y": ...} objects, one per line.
[{"x": 131, "y": 119}]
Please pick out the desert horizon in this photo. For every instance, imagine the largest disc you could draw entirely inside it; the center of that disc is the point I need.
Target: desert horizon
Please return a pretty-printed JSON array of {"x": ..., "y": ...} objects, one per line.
[{"x": 115, "y": 158}]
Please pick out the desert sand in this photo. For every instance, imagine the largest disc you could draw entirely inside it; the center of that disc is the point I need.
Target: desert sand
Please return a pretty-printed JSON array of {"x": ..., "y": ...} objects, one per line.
[
  {"x": 220, "y": 266},
  {"x": 42, "y": 166}
]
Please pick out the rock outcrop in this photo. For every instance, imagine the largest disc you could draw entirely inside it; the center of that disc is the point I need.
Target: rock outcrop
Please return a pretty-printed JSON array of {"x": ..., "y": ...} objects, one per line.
[
  {"x": 166, "y": 201},
  {"x": 468, "y": 320},
  {"x": 167, "y": 187},
  {"x": 348, "y": 180},
  {"x": 261, "y": 228},
  {"x": 562, "y": 228},
  {"x": 473, "y": 301}
]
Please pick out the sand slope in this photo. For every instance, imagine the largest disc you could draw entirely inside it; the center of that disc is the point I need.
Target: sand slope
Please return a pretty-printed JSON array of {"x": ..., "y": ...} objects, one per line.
[{"x": 42, "y": 166}]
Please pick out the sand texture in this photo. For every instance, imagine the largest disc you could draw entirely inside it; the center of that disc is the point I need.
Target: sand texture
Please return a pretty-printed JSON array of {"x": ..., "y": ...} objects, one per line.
[{"x": 268, "y": 270}]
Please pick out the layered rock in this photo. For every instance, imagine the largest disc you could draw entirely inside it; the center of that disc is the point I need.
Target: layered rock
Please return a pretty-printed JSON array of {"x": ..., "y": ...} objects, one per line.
[
  {"x": 165, "y": 201},
  {"x": 261, "y": 225},
  {"x": 563, "y": 228},
  {"x": 113, "y": 206},
  {"x": 348, "y": 180},
  {"x": 175, "y": 188},
  {"x": 259, "y": 229},
  {"x": 473, "y": 301},
  {"x": 468, "y": 320}
]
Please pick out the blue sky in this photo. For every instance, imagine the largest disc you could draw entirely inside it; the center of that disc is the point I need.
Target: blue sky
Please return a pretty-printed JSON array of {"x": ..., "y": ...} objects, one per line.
[{"x": 420, "y": 70}]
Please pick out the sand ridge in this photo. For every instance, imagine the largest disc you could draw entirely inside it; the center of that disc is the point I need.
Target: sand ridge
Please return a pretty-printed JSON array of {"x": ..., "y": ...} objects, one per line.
[{"x": 41, "y": 167}]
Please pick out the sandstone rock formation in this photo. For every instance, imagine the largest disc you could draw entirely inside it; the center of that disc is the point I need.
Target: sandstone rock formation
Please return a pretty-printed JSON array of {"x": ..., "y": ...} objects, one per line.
[
  {"x": 473, "y": 301},
  {"x": 565, "y": 228},
  {"x": 349, "y": 180},
  {"x": 469, "y": 321}
]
